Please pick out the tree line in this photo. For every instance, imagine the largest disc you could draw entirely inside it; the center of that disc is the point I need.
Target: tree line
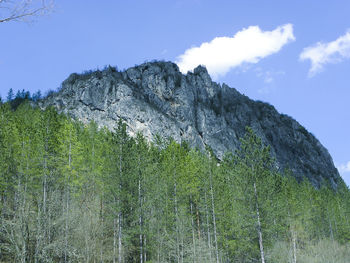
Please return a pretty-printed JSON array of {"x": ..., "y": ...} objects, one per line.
[{"x": 73, "y": 192}]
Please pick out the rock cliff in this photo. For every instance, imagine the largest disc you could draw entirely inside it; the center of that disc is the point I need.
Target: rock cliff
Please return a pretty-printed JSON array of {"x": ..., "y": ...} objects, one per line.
[{"x": 155, "y": 98}]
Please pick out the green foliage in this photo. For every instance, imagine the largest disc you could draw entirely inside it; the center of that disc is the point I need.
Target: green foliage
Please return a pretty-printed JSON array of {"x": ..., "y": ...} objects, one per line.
[{"x": 71, "y": 192}]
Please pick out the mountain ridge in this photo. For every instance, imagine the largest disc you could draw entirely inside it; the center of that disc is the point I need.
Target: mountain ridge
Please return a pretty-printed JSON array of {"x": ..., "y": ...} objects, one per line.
[{"x": 156, "y": 98}]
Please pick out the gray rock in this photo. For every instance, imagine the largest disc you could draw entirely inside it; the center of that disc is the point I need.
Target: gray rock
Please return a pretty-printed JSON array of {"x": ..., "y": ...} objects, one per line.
[{"x": 155, "y": 98}]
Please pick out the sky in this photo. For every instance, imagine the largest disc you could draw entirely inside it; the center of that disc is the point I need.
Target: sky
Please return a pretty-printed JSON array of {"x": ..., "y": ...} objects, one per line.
[{"x": 294, "y": 55}]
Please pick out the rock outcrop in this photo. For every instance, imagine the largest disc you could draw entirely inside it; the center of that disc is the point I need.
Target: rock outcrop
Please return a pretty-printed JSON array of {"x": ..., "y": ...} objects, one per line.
[{"x": 155, "y": 98}]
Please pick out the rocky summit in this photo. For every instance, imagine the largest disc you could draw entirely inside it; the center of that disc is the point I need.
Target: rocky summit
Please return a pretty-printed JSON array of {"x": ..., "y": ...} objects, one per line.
[{"x": 157, "y": 99}]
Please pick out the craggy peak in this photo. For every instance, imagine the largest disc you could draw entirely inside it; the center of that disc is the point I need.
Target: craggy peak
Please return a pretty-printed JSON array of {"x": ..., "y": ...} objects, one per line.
[{"x": 156, "y": 98}]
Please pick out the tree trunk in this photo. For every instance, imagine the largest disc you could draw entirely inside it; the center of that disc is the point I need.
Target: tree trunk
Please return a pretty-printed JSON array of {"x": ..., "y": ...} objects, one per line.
[
  {"x": 102, "y": 228},
  {"x": 140, "y": 220},
  {"x": 114, "y": 239},
  {"x": 67, "y": 201},
  {"x": 208, "y": 227},
  {"x": 120, "y": 237},
  {"x": 66, "y": 227},
  {"x": 120, "y": 208},
  {"x": 198, "y": 224},
  {"x": 144, "y": 251},
  {"x": 214, "y": 221},
  {"x": 193, "y": 235},
  {"x": 259, "y": 226},
  {"x": 177, "y": 224},
  {"x": 294, "y": 241}
]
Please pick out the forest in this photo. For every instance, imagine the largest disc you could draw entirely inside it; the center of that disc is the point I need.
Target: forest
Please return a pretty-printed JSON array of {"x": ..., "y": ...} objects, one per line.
[{"x": 71, "y": 192}]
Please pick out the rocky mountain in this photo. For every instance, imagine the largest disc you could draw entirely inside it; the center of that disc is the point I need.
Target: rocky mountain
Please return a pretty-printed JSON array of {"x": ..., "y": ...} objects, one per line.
[{"x": 155, "y": 98}]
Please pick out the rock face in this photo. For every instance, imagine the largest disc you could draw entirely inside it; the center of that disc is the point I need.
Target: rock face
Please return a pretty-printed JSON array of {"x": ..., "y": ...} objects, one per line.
[{"x": 155, "y": 98}]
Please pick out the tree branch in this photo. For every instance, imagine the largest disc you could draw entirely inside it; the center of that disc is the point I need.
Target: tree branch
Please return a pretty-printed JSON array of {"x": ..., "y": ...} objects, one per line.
[{"x": 24, "y": 9}]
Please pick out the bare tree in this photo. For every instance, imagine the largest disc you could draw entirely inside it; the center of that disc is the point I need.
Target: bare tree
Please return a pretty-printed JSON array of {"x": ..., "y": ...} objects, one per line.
[{"x": 23, "y": 10}]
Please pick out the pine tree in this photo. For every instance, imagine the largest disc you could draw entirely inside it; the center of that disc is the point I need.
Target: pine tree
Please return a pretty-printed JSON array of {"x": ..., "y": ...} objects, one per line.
[
  {"x": 257, "y": 164},
  {"x": 10, "y": 95},
  {"x": 37, "y": 96},
  {"x": 71, "y": 192}
]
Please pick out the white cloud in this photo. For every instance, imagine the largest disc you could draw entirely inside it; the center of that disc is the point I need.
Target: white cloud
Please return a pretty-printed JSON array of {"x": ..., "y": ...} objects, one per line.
[
  {"x": 344, "y": 168},
  {"x": 269, "y": 78},
  {"x": 321, "y": 54},
  {"x": 268, "y": 75},
  {"x": 265, "y": 90},
  {"x": 247, "y": 46}
]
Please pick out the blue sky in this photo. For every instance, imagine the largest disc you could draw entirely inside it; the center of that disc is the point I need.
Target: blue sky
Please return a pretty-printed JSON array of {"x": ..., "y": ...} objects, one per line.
[{"x": 264, "y": 42}]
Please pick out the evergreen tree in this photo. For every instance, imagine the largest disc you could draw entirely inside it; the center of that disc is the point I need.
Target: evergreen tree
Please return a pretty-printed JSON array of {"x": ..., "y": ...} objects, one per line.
[
  {"x": 258, "y": 174},
  {"x": 37, "y": 96},
  {"x": 71, "y": 192},
  {"x": 10, "y": 95}
]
